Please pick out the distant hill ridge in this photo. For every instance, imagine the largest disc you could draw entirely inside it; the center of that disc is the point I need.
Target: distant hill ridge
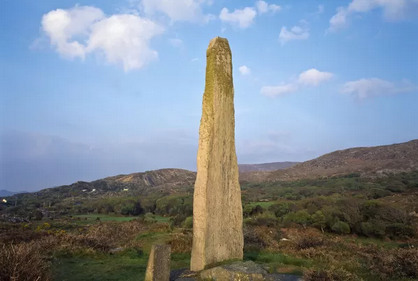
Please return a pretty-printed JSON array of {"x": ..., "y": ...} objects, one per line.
[
  {"x": 243, "y": 168},
  {"x": 4, "y": 193},
  {"x": 367, "y": 161}
]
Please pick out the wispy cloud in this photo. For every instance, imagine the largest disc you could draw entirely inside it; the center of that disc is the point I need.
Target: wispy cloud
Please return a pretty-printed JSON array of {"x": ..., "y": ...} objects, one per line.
[
  {"x": 392, "y": 11},
  {"x": 274, "y": 91},
  {"x": 177, "y": 11},
  {"x": 295, "y": 33},
  {"x": 311, "y": 77},
  {"x": 177, "y": 43},
  {"x": 264, "y": 7},
  {"x": 367, "y": 88}
]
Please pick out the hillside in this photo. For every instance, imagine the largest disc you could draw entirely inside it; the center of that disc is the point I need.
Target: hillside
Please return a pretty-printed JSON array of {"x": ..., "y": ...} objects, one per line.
[
  {"x": 366, "y": 161},
  {"x": 243, "y": 168}
]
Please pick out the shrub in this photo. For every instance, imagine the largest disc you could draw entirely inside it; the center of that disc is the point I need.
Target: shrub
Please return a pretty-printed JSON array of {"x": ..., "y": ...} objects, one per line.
[
  {"x": 252, "y": 241},
  {"x": 377, "y": 193},
  {"x": 394, "y": 264},
  {"x": 247, "y": 210},
  {"x": 373, "y": 229},
  {"x": 301, "y": 217},
  {"x": 339, "y": 274},
  {"x": 281, "y": 209},
  {"x": 37, "y": 215},
  {"x": 319, "y": 220},
  {"x": 258, "y": 210},
  {"x": 188, "y": 222},
  {"x": 149, "y": 218},
  {"x": 400, "y": 230},
  {"x": 266, "y": 219},
  {"x": 181, "y": 242},
  {"x": 308, "y": 240},
  {"x": 23, "y": 262},
  {"x": 341, "y": 227}
]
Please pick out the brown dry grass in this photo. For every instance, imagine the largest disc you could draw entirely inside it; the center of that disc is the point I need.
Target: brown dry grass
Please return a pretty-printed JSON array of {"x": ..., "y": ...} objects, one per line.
[
  {"x": 181, "y": 242},
  {"x": 333, "y": 274},
  {"x": 30, "y": 260},
  {"x": 23, "y": 262}
]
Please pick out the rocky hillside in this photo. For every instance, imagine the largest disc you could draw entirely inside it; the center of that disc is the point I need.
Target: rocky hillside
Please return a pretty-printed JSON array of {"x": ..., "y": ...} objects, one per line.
[
  {"x": 163, "y": 177},
  {"x": 367, "y": 161},
  {"x": 243, "y": 168}
]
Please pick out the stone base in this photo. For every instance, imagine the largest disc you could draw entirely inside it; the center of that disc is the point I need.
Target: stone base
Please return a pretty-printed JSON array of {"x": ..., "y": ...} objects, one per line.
[
  {"x": 243, "y": 271},
  {"x": 236, "y": 271}
]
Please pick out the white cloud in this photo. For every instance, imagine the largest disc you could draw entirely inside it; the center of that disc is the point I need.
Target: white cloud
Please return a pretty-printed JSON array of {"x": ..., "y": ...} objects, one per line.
[
  {"x": 178, "y": 10},
  {"x": 321, "y": 9},
  {"x": 273, "y": 91},
  {"x": 244, "y": 70},
  {"x": 122, "y": 39},
  {"x": 264, "y": 7},
  {"x": 393, "y": 10},
  {"x": 311, "y": 77},
  {"x": 365, "y": 88},
  {"x": 62, "y": 25},
  {"x": 274, "y": 8},
  {"x": 175, "y": 42},
  {"x": 241, "y": 18},
  {"x": 125, "y": 39},
  {"x": 296, "y": 33},
  {"x": 195, "y": 59},
  {"x": 314, "y": 77},
  {"x": 339, "y": 20}
]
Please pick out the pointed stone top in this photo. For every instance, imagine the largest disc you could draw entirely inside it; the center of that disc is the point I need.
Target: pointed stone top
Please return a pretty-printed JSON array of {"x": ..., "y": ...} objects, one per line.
[{"x": 218, "y": 42}]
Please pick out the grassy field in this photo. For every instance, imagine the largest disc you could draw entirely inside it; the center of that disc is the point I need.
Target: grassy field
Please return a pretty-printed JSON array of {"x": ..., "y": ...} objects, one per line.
[
  {"x": 91, "y": 217},
  {"x": 127, "y": 266}
]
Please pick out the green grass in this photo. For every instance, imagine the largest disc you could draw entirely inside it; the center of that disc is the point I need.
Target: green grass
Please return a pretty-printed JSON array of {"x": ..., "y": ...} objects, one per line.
[
  {"x": 378, "y": 242},
  {"x": 180, "y": 260},
  {"x": 162, "y": 219},
  {"x": 276, "y": 261},
  {"x": 131, "y": 264},
  {"x": 150, "y": 238},
  {"x": 128, "y": 265}
]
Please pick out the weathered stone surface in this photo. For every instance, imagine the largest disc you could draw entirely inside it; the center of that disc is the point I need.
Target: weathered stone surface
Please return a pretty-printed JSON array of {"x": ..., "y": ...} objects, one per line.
[
  {"x": 217, "y": 209},
  {"x": 158, "y": 268},
  {"x": 236, "y": 271},
  {"x": 243, "y": 271}
]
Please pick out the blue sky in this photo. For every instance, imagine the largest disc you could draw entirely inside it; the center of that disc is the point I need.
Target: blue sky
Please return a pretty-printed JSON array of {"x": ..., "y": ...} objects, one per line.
[{"x": 92, "y": 88}]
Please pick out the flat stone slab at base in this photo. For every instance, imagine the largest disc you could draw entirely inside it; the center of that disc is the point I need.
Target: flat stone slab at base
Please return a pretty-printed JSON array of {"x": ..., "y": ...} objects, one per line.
[
  {"x": 243, "y": 271},
  {"x": 237, "y": 271}
]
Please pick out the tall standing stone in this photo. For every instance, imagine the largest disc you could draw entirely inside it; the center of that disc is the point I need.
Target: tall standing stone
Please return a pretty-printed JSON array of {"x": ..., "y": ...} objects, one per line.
[{"x": 217, "y": 207}]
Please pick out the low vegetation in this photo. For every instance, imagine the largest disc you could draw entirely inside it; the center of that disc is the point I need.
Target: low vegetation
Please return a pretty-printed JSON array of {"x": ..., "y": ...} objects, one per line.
[{"x": 340, "y": 228}]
